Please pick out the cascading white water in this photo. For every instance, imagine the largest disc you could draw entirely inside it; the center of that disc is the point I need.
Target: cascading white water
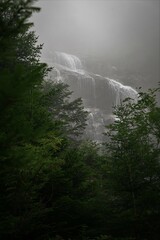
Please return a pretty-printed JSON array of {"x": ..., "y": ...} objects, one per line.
[
  {"x": 91, "y": 81},
  {"x": 99, "y": 94},
  {"x": 122, "y": 91},
  {"x": 70, "y": 61}
]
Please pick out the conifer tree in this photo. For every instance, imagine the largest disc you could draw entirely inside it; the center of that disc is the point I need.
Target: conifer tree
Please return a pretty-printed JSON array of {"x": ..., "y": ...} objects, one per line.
[
  {"x": 68, "y": 116},
  {"x": 31, "y": 144},
  {"x": 23, "y": 122}
]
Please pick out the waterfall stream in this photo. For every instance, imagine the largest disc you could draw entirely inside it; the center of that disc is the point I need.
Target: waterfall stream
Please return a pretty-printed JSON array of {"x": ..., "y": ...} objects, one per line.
[
  {"x": 99, "y": 94},
  {"x": 70, "y": 61}
]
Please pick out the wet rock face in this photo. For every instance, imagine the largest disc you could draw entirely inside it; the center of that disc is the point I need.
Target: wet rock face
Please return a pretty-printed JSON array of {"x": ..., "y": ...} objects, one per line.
[{"x": 99, "y": 93}]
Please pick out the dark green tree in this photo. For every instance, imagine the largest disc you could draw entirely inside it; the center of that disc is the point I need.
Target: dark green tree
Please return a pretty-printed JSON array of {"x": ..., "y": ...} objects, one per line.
[
  {"x": 73, "y": 193},
  {"x": 68, "y": 116},
  {"x": 21, "y": 73},
  {"x": 31, "y": 126},
  {"x": 133, "y": 166},
  {"x": 26, "y": 129}
]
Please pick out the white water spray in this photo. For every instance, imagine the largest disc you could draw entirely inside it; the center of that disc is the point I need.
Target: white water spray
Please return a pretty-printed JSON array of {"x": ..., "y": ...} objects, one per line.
[{"x": 70, "y": 61}]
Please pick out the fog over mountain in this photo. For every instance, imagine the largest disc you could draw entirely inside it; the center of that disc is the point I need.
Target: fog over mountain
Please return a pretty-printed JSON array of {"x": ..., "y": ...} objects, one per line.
[{"x": 124, "y": 31}]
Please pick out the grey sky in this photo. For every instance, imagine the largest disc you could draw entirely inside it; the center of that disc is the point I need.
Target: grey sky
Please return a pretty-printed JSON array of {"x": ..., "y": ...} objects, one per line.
[{"x": 121, "y": 29}]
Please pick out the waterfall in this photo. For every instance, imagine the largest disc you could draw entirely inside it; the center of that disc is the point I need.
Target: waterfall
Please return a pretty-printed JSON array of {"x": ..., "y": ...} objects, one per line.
[
  {"x": 121, "y": 91},
  {"x": 96, "y": 91},
  {"x": 70, "y": 61},
  {"x": 99, "y": 93}
]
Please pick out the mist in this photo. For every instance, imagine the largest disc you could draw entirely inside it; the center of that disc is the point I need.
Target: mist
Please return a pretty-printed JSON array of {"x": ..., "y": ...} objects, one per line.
[{"x": 124, "y": 31}]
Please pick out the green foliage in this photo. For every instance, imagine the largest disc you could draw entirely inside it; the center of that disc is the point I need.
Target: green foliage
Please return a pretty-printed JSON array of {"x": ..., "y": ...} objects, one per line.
[
  {"x": 134, "y": 163},
  {"x": 27, "y": 139},
  {"x": 34, "y": 130},
  {"x": 68, "y": 115}
]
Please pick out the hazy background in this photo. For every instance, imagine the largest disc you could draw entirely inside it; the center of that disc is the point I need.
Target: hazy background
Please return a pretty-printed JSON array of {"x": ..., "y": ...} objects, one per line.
[{"x": 126, "y": 32}]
